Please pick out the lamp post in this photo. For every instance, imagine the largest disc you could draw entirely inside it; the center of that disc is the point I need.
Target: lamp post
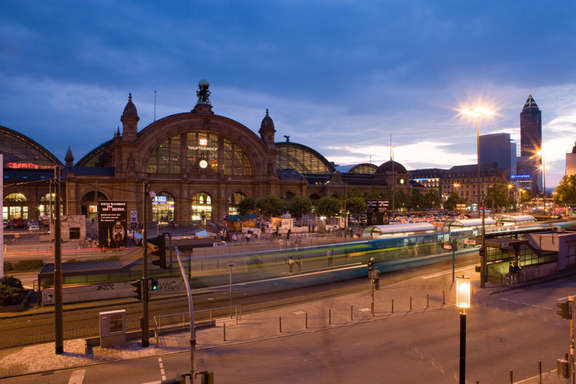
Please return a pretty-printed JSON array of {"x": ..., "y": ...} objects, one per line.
[
  {"x": 510, "y": 187},
  {"x": 462, "y": 302},
  {"x": 477, "y": 113}
]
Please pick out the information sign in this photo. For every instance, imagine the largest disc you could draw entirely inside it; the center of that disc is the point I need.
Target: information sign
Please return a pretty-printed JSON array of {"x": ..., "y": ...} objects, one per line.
[{"x": 112, "y": 224}]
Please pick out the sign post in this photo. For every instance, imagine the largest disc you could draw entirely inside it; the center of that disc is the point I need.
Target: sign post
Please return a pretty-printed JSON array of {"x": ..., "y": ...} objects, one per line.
[{"x": 2, "y": 210}]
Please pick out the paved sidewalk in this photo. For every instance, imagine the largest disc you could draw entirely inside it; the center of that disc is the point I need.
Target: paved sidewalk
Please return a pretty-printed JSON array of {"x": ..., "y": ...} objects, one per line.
[{"x": 313, "y": 316}]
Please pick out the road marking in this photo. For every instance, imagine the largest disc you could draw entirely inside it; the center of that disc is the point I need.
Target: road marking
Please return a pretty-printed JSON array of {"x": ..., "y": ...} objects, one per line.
[
  {"x": 364, "y": 309},
  {"x": 162, "y": 370},
  {"x": 565, "y": 298},
  {"x": 77, "y": 377},
  {"x": 534, "y": 378},
  {"x": 299, "y": 312},
  {"x": 153, "y": 382},
  {"x": 438, "y": 274},
  {"x": 525, "y": 304}
]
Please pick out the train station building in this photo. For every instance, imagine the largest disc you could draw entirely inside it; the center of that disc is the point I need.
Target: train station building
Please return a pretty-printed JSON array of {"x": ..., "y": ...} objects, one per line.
[{"x": 198, "y": 165}]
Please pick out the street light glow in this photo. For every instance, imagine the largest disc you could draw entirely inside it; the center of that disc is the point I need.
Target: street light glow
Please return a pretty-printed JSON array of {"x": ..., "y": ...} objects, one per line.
[
  {"x": 477, "y": 112},
  {"x": 463, "y": 292}
]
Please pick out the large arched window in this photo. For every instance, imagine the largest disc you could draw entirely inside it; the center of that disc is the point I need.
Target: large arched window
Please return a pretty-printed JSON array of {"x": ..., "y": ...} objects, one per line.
[
  {"x": 201, "y": 207},
  {"x": 163, "y": 208},
  {"x": 47, "y": 206},
  {"x": 90, "y": 204},
  {"x": 233, "y": 202},
  {"x": 15, "y": 207},
  {"x": 197, "y": 151},
  {"x": 365, "y": 168},
  {"x": 301, "y": 158}
]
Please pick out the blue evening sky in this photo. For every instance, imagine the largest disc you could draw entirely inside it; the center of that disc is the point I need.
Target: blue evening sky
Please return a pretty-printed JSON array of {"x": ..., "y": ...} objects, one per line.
[{"x": 340, "y": 76}]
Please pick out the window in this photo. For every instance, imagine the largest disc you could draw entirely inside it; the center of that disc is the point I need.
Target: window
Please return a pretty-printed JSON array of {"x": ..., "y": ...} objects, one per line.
[
  {"x": 199, "y": 150},
  {"x": 201, "y": 207},
  {"x": 163, "y": 208},
  {"x": 15, "y": 207},
  {"x": 302, "y": 159}
]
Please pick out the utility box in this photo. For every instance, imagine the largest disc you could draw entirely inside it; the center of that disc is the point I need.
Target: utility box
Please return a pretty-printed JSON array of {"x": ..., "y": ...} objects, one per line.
[
  {"x": 562, "y": 368},
  {"x": 112, "y": 328}
]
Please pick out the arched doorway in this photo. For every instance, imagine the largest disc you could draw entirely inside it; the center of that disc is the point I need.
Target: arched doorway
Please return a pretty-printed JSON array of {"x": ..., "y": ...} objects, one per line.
[
  {"x": 201, "y": 209},
  {"x": 90, "y": 204},
  {"x": 15, "y": 208},
  {"x": 233, "y": 201},
  {"x": 47, "y": 207},
  {"x": 163, "y": 208}
]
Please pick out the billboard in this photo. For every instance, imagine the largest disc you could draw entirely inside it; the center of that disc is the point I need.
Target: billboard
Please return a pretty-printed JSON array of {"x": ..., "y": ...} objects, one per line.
[
  {"x": 112, "y": 224},
  {"x": 377, "y": 212}
]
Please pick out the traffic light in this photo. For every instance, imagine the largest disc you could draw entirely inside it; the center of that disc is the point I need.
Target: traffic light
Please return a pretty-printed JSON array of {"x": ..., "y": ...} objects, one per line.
[
  {"x": 137, "y": 289},
  {"x": 154, "y": 284},
  {"x": 160, "y": 251},
  {"x": 564, "y": 310},
  {"x": 370, "y": 264}
]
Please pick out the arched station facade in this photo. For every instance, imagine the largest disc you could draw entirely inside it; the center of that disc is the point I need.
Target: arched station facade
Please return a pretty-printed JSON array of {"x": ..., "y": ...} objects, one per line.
[{"x": 196, "y": 165}]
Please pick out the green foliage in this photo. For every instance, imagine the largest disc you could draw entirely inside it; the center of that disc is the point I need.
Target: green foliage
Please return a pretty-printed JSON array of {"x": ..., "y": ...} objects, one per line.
[
  {"x": 565, "y": 192},
  {"x": 23, "y": 266},
  {"x": 497, "y": 196},
  {"x": 299, "y": 206},
  {"x": 432, "y": 199},
  {"x": 401, "y": 200},
  {"x": 11, "y": 291},
  {"x": 452, "y": 201},
  {"x": 328, "y": 206},
  {"x": 356, "y": 205},
  {"x": 417, "y": 200},
  {"x": 270, "y": 206},
  {"x": 246, "y": 206}
]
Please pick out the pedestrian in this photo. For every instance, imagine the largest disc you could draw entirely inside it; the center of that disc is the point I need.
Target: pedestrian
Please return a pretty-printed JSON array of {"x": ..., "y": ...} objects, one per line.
[
  {"x": 291, "y": 264},
  {"x": 288, "y": 234}
]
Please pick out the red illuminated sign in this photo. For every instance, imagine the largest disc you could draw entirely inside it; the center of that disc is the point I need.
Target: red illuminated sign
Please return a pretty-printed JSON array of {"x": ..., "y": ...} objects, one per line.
[{"x": 27, "y": 166}]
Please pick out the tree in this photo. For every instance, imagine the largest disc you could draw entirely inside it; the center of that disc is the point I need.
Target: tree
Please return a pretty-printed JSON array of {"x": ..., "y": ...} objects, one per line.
[
  {"x": 401, "y": 200},
  {"x": 299, "y": 206},
  {"x": 246, "y": 206},
  {"x": 497, "y": 196},
  {"x": 328, "y": 206},
  {"x": 270, "y": 206},
  {"x": 356, "y": 205},
  {"x": 565, "y": 192},
  {"x": 417, "y": 201},
  {"x": 432, "y": 199},
  {"x": 452, "y": 201}
]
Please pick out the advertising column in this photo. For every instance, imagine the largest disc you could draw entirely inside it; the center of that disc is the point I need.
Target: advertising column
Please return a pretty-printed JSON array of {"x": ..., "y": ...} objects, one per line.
[{"x": 112, "y": 224}]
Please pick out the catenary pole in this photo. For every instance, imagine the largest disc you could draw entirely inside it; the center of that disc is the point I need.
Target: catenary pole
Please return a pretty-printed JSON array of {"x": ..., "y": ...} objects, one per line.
[
  {"x": 58, "y": 323},
  {"x": 144, "y": 282}
]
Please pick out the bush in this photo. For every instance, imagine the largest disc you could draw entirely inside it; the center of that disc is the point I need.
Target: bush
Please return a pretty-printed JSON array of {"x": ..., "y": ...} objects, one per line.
[
  {"x": 11, "y": 291},
  {"x": 23, "y": 266}
]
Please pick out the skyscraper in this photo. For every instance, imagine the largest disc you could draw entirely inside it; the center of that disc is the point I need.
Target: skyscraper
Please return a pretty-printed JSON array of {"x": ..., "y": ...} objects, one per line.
[
  {"x": 531, "y": 143},
  {"x": 496, "y": 149}
]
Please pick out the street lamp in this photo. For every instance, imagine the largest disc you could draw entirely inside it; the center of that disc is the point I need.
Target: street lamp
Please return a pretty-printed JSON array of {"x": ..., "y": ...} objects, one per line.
[
  {"x": 510, "y": 187},
  {"x": 477, "y": 113},
  {"x": 463, "y": 302}
]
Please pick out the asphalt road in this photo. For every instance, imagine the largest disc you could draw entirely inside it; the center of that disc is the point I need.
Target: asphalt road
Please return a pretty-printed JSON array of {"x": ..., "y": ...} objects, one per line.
[
  {"x": 37, "y": 328},
  {"x": 507, "y": 331}
]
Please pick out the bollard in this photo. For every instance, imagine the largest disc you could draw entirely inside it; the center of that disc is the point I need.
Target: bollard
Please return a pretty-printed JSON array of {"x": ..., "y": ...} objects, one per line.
[
  {"x": 539, "y": 372},
  {"x": 351, "y": 313},
  {"x": 427, "y": 300},
  {"x": 306, "y": 319},
  {"x": 210, "y": 315},
  {"x": 511, "y": 377},
  {"x": 280, "y": 323},
  {"x": 224, "y": 331},
  {"x": 443, "y": 297},
  {"x": 329, "y": 316},
  {"x": 410, "y": 303},
  {"x": 392, "y": 305}
]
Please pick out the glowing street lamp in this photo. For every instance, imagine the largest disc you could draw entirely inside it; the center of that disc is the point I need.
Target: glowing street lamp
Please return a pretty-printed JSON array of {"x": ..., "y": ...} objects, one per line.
[
  {"x": 463, "y": 296},
  {"x": 477, "y": 113}
]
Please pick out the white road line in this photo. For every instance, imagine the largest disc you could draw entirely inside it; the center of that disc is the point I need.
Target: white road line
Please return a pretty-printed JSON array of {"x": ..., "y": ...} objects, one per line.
[
  {"x": 299, "y": 312},
  {"x": 525, "y": 304},
  {"x": 533, "y": 378},
  {"x": 77, "y": 376},
  {"x": 153, "y": 382},
  {"x": 438, "y": 274},
  {"x": 162, "y": 370},
  {"x": 364, "y": 309},
  {"x": 565, "y": 298}
]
